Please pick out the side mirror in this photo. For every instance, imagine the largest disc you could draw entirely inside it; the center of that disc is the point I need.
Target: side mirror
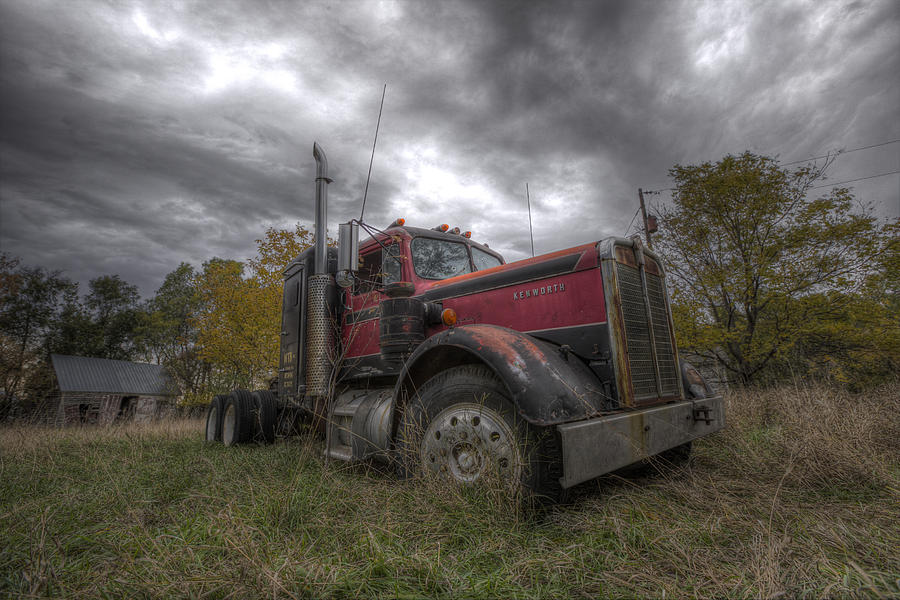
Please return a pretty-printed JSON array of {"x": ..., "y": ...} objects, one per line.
[{"x": 348, "y": 253}]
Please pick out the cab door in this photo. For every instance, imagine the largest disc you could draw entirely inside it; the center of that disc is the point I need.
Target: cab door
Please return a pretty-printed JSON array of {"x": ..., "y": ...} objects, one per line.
[
  {"x": 379, "y": 266},
  {"x": 289, "y": 370}
]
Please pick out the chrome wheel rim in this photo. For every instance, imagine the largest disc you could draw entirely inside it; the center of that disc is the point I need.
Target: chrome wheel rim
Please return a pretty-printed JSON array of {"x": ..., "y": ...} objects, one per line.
[
  {"x": 211, "y": 423},
  {"x": 228, "y": 422},
  {"x": 466, "y": 441}
]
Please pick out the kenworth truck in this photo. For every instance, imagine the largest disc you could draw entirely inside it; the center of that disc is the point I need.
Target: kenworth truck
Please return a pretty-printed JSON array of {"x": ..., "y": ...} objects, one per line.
[{"x": 424, "y": 348}]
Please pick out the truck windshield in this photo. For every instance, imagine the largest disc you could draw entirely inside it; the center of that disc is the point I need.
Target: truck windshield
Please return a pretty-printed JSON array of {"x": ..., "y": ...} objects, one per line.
[
  {"x": 483, "y": 260},
  {"x": 439, "y": 259}
]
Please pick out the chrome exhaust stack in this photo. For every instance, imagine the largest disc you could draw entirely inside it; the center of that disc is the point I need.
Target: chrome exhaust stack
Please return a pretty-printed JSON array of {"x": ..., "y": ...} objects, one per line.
[
  {"x": 322, "y": 181},
  {"x": 320, "y": 329}
]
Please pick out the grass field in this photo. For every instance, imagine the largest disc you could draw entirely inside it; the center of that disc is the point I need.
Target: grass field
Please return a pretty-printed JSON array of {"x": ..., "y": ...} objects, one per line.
[{"x": 797, "y": 498}]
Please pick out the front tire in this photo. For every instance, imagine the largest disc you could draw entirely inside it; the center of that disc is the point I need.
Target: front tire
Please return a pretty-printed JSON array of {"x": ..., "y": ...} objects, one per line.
[{"x": 463, "y": 426}]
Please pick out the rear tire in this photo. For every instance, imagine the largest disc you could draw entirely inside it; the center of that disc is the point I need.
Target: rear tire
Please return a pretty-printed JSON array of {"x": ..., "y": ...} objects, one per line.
[
  {"x": 237, "y": 424},
  {"x": 214, "y": 419},
  {"x": 264, "y": 416},
  {"x": 463, "y": 426}
]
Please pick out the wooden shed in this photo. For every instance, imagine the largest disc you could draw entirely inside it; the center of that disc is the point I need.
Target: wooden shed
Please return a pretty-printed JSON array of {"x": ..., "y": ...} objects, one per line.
[{"x": 99, "y": 390}]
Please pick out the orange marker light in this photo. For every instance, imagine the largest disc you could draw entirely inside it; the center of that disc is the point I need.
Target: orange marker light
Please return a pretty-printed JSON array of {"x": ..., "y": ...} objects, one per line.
[
  {"x": 444, "y": 227},
  {"x": 399, "y": 222},
  {"x": 448, "y": 316},
  {"x": 468, "y": 234}
]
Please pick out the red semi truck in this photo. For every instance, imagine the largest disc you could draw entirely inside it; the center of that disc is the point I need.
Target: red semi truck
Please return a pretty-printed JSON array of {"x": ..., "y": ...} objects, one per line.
[{"x": 424, "y": 348}]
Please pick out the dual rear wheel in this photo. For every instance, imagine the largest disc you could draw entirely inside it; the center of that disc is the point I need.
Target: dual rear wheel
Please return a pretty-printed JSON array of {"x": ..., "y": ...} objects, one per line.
[
  {"x": 214, "y": 418},
  {"x": 241, "y": 417}
]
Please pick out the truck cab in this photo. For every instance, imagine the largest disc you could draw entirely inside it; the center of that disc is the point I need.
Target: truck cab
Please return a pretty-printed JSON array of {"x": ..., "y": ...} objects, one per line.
[{"x": 415, "y": 257}]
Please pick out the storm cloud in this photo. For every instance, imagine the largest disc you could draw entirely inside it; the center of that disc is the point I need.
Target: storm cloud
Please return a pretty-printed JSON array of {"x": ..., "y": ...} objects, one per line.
[{"x": 136, "y": 135}]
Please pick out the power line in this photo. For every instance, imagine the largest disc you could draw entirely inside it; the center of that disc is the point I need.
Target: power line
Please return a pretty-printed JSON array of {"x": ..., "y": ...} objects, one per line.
[
  {"x": 817, "y": 158},
  {"x": 852, "y": 180},
  {"x": 632, "y": 221},
  {"x": 840, "y": 152}
]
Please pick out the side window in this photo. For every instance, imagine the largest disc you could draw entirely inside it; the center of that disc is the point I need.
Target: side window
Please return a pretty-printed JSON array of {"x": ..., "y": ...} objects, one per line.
[
  {"x": 293, "y": 295},
  {"x": 483, "y": 260},
  {"x": 367, "y": 276},
  {"x": 378, "y": 268},
  {"x": 391, "y": 265}
]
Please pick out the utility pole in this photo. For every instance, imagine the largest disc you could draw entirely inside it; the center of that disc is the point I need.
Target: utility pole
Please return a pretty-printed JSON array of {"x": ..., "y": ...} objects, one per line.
[
  {"x": 530, "y": 227},
  {"x": 644, "y": 215}
]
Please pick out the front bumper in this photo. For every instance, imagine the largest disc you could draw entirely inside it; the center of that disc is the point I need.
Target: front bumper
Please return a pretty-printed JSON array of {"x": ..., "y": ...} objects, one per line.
[{"x": 593, "y": 447}]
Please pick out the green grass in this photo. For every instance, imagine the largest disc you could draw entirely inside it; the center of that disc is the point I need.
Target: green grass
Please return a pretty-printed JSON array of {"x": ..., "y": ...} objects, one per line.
[{"x": 798, "y": 496}]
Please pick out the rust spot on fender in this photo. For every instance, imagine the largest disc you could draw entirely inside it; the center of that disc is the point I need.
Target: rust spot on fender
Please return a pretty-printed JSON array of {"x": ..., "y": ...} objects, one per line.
[
  {"x": 545, "y": 386},
  {"x": 510, "y": 346},
  {"x": 526, "y": 360}
]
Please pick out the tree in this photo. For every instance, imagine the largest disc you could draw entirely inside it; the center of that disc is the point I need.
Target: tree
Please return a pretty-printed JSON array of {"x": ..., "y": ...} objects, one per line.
[
  {"x": 112, "y": 303},
  {"x": 167, "y": 334},
  {"x": 756, "y": 257},
  {"x": 240, "y": 319},
  {"x": 103, "y": 326},
  {"x": 232, "y": 332},
  {"x": 31, "y": 298},
  {"x": 276, "y": 249},
  {"x": 857, "y": 343}
]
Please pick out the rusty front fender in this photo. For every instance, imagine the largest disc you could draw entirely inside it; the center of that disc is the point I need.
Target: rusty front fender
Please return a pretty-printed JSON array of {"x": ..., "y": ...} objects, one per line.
[{"x": 548, "y": 385}]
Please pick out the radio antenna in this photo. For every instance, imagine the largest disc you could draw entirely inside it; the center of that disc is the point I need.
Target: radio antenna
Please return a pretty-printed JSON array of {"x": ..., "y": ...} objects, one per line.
[
  {"x": 371, "y": 160},
  {"x": 530, "y": 228}
]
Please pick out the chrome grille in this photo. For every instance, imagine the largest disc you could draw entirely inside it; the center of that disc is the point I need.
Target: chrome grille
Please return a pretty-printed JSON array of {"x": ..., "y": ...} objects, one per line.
[
  {"x": 637, "y": 334},
  {"x": 665, "y": 352}
]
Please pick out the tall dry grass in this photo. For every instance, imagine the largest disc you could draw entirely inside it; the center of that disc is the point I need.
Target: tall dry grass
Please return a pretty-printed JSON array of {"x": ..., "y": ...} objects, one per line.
[
  {"x": 796, "y": 498},
  {"x": 818, "y": 435}
]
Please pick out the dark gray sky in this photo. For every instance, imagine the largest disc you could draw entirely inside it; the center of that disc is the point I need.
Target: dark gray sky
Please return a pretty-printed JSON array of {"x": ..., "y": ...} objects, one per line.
[{"x": 136, "y": 135}]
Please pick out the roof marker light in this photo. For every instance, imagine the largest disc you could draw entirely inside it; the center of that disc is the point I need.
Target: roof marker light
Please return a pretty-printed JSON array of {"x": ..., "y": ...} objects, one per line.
[
  {"x": 398, "y": 223},
  {"x": 455, "y": 230},
  {"x": 442, "y": 227},
  {"x": 468, "y": 234}
]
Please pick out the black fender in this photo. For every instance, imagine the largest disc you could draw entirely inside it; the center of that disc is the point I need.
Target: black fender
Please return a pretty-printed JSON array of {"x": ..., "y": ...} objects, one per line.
[
  {"x": 695, "y": 386},
  {"x": 547, "y": 384}
]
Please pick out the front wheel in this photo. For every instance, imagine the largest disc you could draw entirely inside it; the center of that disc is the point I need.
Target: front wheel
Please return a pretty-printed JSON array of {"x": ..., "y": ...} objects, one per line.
[{"x": 463, "y": 426}]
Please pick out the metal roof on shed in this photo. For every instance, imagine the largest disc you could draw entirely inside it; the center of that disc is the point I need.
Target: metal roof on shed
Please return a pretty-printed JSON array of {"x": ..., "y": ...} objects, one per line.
[{"x": 82, "y": 374}]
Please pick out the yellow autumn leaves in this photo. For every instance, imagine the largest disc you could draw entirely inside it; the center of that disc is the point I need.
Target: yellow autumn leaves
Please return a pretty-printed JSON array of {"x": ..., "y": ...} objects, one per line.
[{"x": 240, "y": 320}]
